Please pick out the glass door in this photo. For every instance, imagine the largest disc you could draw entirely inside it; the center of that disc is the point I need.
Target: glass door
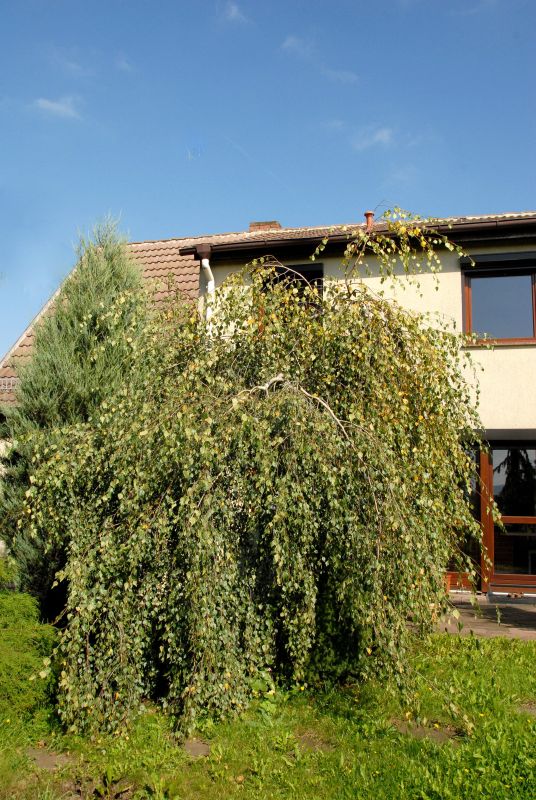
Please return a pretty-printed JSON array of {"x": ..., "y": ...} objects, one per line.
[{"x": 511, "y": 481}]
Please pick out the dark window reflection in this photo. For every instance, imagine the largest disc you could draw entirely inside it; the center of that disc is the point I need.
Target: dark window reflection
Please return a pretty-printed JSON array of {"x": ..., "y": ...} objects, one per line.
[
  {"x": 515, "y": 550},
  {"x": 514, "y": 481},
  {"x": 502, "y": 306},
  {"x": 301, "y": 276}
]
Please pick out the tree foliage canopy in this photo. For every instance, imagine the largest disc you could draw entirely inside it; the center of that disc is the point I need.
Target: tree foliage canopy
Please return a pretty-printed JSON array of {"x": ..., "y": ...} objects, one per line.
[
  {"x": 81, "y": 352},
  {"x": 280, "y": 489}
]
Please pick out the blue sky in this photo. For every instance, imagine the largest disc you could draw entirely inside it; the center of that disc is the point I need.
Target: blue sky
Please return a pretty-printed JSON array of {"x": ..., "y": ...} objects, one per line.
[{"x": 198, "y": 116}]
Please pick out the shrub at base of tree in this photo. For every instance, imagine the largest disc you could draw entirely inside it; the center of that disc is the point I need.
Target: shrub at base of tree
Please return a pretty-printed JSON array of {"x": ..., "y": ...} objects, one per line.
[
  {"x": 280, "y": 489},
  {"x": 26, "y": 683}
]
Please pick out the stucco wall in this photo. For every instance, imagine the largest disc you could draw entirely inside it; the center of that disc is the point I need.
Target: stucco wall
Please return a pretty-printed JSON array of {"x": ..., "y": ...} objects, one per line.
[{"x": 506, "y": 375}]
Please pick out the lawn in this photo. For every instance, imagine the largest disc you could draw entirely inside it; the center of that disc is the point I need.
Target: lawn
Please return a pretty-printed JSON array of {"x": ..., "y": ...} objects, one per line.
[{"x": 470, "y": 733}]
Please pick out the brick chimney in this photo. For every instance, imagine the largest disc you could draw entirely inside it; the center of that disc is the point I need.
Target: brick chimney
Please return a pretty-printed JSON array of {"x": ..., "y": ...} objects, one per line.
[{"x": 264, "y": 226}]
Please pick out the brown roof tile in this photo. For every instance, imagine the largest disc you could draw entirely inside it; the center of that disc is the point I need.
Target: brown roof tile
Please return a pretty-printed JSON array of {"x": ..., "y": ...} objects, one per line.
[{"x": 160, "y": 260}]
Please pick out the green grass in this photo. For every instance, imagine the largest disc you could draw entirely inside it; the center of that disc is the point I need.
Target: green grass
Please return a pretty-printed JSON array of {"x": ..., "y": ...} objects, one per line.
[{"x": 324, "y": 744}]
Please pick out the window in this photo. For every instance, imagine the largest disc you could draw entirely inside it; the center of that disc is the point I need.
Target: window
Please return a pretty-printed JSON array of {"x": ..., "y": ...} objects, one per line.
[
  {"x": 500, "y": 297},
  {"x": 300, "y": 275},
  {"x": 514, "y": 490}
]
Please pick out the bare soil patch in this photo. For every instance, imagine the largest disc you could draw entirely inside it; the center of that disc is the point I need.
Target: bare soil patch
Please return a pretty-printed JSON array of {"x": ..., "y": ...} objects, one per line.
[
  {"x": 47, "y": 759},
  {"x": 312, "y": 742},
  {"x": 196, "y": 748},
  {"x": 528, "y": 708},
  {"x": 436, "y": 732}
]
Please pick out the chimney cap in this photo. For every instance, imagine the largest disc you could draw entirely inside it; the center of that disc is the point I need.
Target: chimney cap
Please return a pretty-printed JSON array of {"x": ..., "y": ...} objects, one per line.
[
  {"x": 265, "y": 226},
  {"x": 369, "y": 216}
]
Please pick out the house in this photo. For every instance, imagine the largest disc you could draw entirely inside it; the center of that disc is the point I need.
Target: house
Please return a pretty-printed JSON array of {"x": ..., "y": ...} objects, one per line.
[{"x": 496, "y": 296}]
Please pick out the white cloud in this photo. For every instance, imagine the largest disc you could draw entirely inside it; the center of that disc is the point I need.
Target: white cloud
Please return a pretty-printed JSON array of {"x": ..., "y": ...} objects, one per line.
[
  {"x": 233, "y": 13},
  {"x": 67, "y": 60},
  {"x": 123, "y": 64},
  {"x": 346, "y": 76},
  {"x": 64, "y": 107},
  {"x": 298, "y": 46},
  {"x": 370, "y": 137},
  {"x": 77, "y": 69},
  {"x": 305, "y": 49}
]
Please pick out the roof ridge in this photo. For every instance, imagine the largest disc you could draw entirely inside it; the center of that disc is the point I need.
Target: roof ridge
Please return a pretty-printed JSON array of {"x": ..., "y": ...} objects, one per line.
[
  {"x": 260, "y": 234},
  {"x": 254, "y": 234}
]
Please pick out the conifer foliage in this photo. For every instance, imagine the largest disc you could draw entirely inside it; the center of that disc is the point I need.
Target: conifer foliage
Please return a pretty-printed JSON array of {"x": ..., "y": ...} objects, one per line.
[
  {"x": 81, "y": 352},
  {"x": 278, "y": 493}
]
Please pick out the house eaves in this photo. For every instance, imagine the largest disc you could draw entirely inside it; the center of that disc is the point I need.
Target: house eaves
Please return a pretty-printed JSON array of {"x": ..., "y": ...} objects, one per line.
[{"x": 481, "y": 230}]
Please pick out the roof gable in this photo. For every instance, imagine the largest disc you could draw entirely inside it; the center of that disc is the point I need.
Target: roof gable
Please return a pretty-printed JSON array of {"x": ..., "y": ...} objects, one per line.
[{"x": 159, "y": 261}]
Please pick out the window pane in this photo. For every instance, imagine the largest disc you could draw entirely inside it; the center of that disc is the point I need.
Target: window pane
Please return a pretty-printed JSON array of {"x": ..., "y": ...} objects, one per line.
[
  {"x": 515, "y": 550},
  {"x": 514, "y": 481},
  {"x": 502, "y": 306}
]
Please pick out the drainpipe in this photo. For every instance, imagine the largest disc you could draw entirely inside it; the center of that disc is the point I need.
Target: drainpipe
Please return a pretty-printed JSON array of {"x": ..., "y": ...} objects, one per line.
[{"x": 203, "y": 252}]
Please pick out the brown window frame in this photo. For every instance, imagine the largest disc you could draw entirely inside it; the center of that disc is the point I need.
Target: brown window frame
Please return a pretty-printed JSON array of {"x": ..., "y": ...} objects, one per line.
[{"x": 497, "y": 266}]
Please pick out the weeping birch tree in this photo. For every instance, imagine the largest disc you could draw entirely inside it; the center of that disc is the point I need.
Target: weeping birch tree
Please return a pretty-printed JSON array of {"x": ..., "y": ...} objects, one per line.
[{"x": 279, "y": 493}]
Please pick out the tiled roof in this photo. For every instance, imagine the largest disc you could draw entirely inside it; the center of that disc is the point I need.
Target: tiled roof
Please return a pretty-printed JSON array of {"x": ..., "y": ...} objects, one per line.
[
  {"x": 14, "y": 358},
  {"x": 161, "y": 259}
]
